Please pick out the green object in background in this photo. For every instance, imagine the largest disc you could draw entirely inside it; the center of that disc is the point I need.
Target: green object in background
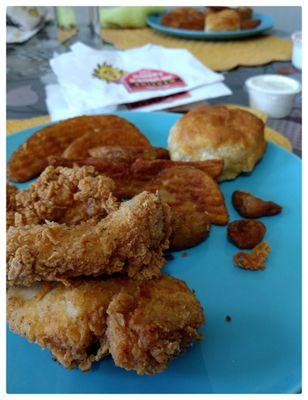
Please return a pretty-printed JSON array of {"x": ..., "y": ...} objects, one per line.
[
  {"x": 126, "y": 17},
  {"x": 66, "y": 17}
]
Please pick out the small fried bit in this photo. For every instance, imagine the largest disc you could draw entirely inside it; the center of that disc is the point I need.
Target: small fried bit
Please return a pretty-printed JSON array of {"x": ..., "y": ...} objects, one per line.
[
  {"x": 255, "y": 260},
  {"x": 246, "y": 234},
  {"x": 249, "y": 206},
  {"x": 185, "y": 254},
  {"x": 228, "y": 318}
]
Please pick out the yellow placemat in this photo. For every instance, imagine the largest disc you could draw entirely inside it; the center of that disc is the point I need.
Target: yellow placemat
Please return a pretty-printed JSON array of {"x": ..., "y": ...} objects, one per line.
[
  {"x": 14, "y": 125},
  {"x": 217, "y": 55},
  {"x": 277, "y": 138}
]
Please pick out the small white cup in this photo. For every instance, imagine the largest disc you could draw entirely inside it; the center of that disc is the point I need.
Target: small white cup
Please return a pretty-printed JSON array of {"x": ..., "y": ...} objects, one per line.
[
  {"x": 297, "y": 50},
  {"x": 272, "y": 94}
]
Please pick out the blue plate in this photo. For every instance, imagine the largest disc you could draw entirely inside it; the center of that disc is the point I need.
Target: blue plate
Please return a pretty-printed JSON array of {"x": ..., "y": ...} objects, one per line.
[
  {"x": 259, "y": 351},
  {"x": 154, "y": 21}
]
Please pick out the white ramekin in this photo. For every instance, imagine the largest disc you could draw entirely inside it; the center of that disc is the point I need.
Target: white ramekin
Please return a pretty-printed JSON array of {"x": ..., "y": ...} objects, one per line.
[{"x": 272, "y": 94}]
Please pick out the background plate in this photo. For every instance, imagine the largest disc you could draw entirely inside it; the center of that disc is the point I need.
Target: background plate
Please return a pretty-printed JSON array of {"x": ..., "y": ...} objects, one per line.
[
  {"x": 266, "y": 24},
  {"x": 259, "y": 351}
]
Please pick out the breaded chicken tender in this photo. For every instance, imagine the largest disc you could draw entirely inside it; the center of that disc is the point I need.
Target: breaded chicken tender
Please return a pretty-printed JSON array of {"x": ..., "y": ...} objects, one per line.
[
  {"x": 11, "y": 192},
  {"x": 142, "y": 324},
  {"x": 130, "y": 240},
  {"x": 150, "y": 326},
  {"x": 65, "y": 195},
  {"x": 69, "y": 321}
]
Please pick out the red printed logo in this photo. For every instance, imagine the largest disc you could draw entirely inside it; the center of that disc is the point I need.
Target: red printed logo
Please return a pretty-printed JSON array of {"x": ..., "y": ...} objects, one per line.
[{"x": 151, "y": 79}]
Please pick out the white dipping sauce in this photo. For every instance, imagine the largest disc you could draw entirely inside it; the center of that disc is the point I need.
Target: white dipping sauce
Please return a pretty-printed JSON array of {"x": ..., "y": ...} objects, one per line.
[{"x": 272, "y": 94}]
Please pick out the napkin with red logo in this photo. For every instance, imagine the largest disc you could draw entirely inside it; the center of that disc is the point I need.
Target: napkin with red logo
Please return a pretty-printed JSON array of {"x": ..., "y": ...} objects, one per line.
[
  {"x": 149, "y": 77},
  {"x": 91, "y": 79}
]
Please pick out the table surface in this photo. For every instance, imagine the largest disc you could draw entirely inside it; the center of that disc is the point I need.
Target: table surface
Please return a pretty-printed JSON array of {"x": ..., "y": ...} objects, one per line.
[{"x": 28, "y": 72}]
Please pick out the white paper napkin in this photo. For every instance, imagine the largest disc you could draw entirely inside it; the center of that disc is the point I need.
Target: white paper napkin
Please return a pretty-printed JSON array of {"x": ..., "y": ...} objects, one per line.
[
  {"x": 92, "y": 79},
  {"x": 58, "y": 108}
]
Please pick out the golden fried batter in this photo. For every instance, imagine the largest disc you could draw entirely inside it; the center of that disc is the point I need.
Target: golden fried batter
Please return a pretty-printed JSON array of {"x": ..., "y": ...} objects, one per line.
[
  {"x": 195, "y": 201},
  {"x": 150, "y": 326},
  {"x": 249, "y": 206},
  {"x": 11, "y": 192},
  {"x": 255, "y": 260},
  {"x": 31, "y": 157},
  {"x": 130, "y": 240},
  {"x": 65, "y": 195},
  {"x": 69, "y": 321},
  {"x": 72, "y": 321}
]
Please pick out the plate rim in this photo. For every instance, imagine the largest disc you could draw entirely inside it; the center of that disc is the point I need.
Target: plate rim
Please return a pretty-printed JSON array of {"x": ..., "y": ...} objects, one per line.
[
  {"x": 194, "y": 34},
  {"x": 296, "y": 387}
]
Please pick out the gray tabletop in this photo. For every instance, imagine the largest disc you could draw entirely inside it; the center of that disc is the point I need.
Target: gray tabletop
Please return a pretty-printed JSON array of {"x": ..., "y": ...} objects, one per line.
[{"x": 28, "y": 72}]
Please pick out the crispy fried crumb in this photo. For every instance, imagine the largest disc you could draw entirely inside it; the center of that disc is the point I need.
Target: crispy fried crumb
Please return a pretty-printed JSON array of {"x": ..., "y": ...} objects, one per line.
[{"x": 254, "y": 260}]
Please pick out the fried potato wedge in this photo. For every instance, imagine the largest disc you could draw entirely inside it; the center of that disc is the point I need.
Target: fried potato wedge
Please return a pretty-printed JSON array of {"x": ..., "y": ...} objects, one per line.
[
  {"x": 125, "y": 135},
  {"x": 129, "y": 153},
  {"x": 195, "y": 201},
  {"x": 130, "y": 178},
  {"x": 150, "y": 168},
  {"x": 31, "y": 157}
]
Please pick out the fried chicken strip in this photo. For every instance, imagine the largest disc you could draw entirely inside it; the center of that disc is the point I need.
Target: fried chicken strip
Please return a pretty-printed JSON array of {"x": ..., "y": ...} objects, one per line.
[
  {"x": 143, "y": 324},
  {"x": 130, "y": 240},
  {"x": 11, "y": 192},
  {"x": 131, "y": 178},
  {"x": 65, "y": 195},
  {"x": 149, "y": 327}
]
